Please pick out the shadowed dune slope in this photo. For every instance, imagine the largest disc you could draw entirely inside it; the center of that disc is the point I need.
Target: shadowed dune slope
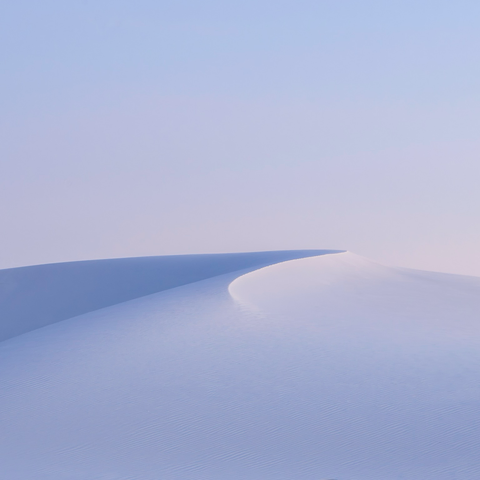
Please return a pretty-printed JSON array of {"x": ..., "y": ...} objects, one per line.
[{"x": 32, "y": 297}]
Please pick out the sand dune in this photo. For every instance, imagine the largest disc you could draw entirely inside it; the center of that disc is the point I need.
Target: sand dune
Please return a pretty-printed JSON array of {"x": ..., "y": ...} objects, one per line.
[
  {"x": 32, "y": 297},
  {"x": 327, "y": 367}
]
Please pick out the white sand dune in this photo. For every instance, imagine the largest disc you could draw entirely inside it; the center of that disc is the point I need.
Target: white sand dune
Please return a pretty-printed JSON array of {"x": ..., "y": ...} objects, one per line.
[
  {"x": 327, "y": 367},
  {"x": 32, "y": 297}
]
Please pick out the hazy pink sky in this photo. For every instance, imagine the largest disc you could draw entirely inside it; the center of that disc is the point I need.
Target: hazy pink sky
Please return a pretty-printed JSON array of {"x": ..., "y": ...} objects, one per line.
[{"x": 150, "y": 127}]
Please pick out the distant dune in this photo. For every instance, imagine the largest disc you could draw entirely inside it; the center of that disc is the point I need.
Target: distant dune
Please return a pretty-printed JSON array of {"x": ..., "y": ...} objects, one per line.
[{"x": 271, "y": 365}]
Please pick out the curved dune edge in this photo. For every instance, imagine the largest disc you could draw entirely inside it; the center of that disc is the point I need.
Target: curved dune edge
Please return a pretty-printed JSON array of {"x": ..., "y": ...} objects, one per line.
[
  {"x": 40, "y": 295},
  {"x": 298, "y": 276}
]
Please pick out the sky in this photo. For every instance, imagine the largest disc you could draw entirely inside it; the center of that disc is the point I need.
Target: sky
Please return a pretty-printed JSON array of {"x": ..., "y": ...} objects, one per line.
[{"x": 132, "y": 128}]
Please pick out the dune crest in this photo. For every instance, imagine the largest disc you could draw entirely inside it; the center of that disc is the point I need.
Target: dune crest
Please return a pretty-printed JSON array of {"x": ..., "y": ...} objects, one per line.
[{"x": 40, "y": 295}]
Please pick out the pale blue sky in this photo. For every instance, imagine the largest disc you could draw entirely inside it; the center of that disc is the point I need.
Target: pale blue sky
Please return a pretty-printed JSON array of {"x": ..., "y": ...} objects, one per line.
[{"x": 151, "y": 127}]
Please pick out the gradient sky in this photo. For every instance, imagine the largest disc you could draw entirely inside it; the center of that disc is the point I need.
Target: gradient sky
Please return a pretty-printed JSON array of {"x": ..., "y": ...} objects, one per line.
[{"x": 151, "y": 127}]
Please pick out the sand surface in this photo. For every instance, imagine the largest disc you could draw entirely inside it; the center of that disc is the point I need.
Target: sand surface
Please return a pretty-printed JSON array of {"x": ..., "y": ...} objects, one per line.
[{"x": 327, "y": 367}]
